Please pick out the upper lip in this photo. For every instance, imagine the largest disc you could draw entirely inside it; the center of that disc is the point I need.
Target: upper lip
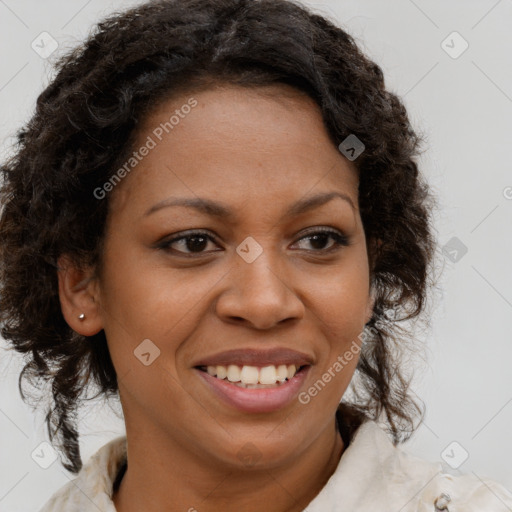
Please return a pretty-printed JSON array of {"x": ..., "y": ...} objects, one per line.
[{"x": 257, "y": 357}]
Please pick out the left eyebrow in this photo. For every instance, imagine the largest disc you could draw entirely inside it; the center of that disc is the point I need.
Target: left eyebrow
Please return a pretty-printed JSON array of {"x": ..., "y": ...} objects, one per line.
[
  {"x": 308, "y": 203},
  {"x": 220, "y": 210}
]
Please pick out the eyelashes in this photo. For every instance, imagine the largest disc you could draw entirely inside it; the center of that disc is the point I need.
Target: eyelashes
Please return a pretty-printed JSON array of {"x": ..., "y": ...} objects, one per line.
[
  {"x": 324, "y": 234},
  {"x": 194, "y": 242}
]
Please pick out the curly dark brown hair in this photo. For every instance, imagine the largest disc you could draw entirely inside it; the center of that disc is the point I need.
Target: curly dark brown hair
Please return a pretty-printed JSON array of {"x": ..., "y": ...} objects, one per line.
[{"x": 85, "y": 125}]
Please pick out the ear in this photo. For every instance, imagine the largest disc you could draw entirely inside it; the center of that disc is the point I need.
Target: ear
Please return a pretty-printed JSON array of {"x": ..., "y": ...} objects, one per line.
[
  {"x": 79, "y": 294},
  {"x": 369, "y": 307},
  {"x": 373, "y": 248}
]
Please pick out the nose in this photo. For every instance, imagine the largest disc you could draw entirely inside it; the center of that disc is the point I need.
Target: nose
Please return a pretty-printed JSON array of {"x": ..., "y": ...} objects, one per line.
[{"x": 259, "y": 295}]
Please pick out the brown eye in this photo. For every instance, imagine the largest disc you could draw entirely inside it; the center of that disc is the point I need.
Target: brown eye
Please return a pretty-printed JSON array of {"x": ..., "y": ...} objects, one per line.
[
  {"x": 319, "y": 239},
  {"x": 192, "y": 243}
]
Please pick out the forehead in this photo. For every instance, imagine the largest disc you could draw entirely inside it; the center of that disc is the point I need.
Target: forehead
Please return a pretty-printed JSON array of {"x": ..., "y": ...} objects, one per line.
[{"x": 236, "y": 144}]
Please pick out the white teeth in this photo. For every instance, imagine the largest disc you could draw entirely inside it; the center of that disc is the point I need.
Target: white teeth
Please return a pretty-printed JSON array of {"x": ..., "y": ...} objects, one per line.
[
  {"x": 252, "y": 375},
  {"x": 220, "y": 371},
  {"x": 233, "y": 373},
  {"x": 282, "y": 372},
  {"x": 268, "y": 375}
]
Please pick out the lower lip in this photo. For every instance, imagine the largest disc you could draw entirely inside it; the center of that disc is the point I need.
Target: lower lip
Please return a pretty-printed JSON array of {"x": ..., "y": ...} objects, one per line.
[{"x": 256, "y": 400}]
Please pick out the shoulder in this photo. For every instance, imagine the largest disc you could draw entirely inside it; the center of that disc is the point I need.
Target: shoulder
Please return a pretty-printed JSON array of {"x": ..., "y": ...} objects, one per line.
[
  {"x": 373, "y": 475},
  {"x": 91, "y": 489},
  {"x": 468, "y": 493},
  {"x": 426, "y": 486},
  {"x": 430, "y": 487}
]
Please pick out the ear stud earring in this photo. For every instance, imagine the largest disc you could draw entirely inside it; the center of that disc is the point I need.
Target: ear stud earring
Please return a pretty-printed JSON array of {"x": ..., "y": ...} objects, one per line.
[{"x": 81, "y": 316}]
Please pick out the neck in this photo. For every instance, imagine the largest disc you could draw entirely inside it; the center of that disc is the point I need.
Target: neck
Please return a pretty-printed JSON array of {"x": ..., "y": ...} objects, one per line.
[{"x": 163, "y": 476}]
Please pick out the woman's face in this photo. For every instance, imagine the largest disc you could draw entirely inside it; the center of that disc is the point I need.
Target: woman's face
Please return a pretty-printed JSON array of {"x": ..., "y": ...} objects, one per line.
[{"x": 261, "y": 178}]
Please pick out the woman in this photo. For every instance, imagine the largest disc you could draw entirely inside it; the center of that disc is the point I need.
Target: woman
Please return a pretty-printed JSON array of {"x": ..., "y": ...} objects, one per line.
[{"x": 212, "y": 214}]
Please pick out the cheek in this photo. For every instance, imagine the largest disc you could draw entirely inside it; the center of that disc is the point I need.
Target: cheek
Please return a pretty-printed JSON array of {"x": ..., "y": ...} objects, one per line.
[
  {"x": 152, "y": 302},
  {"x": 341, "y": 307},
  {"x": 341, "y": 300}
]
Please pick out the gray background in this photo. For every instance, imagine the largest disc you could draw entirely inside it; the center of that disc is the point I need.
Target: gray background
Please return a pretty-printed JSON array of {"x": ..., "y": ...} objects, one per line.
[{"x": 464, "y": 106}]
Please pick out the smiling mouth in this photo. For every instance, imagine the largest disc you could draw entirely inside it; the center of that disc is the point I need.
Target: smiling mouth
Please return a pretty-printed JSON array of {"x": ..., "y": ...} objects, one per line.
[{"x": 254, "y": 377}]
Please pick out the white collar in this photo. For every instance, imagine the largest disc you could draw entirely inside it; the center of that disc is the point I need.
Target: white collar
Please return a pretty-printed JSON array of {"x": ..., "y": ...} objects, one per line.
[{"x": 372, "y": 475}]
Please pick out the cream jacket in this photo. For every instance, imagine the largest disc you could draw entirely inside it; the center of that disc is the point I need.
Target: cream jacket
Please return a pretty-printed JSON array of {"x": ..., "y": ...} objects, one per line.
[{"x": 372, "y": 476}]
